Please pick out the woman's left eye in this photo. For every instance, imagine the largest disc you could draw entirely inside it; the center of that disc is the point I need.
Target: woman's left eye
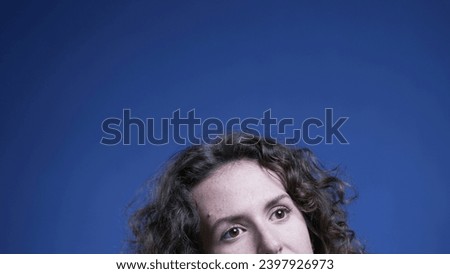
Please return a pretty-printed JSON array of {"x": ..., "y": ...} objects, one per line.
[{"x": 280, "y": 213}]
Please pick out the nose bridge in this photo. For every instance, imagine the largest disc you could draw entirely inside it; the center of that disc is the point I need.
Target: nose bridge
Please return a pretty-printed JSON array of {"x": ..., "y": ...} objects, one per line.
[{"x": 268, "y": 240}]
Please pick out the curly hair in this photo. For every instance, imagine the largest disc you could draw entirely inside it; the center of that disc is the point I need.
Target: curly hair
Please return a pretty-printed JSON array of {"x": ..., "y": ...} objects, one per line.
[{"x": 170, "y": 223}]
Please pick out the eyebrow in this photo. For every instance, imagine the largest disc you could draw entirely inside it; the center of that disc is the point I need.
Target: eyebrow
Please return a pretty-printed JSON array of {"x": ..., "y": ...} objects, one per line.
[
  {"x": 233, "y": 218},
  {"x": 276, "y": 200}
]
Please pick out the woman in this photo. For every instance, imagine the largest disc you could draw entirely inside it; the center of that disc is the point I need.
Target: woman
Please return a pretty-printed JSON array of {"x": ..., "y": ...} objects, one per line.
[{"x": 245, "y": 194}]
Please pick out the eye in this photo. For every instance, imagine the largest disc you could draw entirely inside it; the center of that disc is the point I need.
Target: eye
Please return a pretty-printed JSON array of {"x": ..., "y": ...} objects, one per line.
[
  {"x": 232, "y": 233},
  {"x": 280, "y": 213}
]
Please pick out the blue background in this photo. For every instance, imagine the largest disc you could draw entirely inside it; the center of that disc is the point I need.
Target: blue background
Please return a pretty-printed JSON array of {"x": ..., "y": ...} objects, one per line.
[{"x": 66, "y": 66}]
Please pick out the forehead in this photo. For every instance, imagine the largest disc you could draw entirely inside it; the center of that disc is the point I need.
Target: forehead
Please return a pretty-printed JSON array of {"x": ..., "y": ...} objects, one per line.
[{"x": 236, "y": 188}]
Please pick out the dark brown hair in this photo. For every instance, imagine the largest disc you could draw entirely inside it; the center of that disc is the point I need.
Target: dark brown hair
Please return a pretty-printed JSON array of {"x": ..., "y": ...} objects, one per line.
[{"x": 170, "y": 222}]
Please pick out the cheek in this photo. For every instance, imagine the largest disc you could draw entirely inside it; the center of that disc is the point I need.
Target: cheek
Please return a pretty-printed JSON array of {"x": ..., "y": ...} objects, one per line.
[
  {"x": 296, "y": 236},
  {"x": 296, "y": 230},
  {"x": 245, "y": 245}
]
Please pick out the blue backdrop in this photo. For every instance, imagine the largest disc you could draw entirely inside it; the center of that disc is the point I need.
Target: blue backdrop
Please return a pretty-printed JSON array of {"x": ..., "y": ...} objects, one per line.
[{"x": 67, "y": 66}]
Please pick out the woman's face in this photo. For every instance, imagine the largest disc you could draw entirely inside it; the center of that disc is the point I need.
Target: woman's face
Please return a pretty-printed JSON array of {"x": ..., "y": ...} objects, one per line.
[{"x": 245, "y": 209}]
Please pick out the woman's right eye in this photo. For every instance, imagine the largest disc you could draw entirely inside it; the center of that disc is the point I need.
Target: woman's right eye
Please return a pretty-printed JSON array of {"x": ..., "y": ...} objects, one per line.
[{"x": 232, "y": 233}]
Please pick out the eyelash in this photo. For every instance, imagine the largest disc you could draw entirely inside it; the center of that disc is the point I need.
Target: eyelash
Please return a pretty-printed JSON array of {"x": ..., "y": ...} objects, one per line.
[
  {"x": 284, "y": 209},
  {"x": 224, "y": 236}
]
